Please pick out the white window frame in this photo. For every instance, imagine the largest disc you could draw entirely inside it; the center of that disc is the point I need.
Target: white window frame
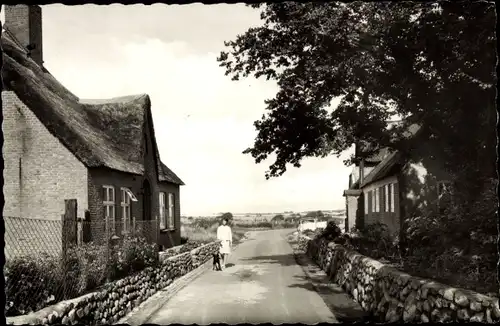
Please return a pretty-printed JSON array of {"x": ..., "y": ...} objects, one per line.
[
  {"x": 377, "y": 200},
  {"x": 366, "y": 202},
  {"x": 126, "y": 197},
  {"x": 386, "y": 198},
  {"x": 108, "y": 202},
  {"x": 171, "y": 211},
  {"x": 393, "y": 196},
  {"x": 373, "y": 200},
  {"x": 162, "y": 209}
]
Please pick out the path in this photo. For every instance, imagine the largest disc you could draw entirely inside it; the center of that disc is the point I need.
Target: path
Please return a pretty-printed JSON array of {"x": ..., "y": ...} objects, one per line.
[{"x": 262, "y": 283}]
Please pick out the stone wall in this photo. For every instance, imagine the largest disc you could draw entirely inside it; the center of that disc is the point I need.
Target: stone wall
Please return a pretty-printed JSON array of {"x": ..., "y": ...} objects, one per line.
[
  {"x": 390, "y": 295},
  {"x": 118, "y": 298}
]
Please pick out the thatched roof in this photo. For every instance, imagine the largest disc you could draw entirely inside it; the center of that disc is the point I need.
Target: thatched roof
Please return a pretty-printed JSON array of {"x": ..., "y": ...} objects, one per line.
[
  {"x": 392, "y": 161},
  {"x": 100, "y": 133}
]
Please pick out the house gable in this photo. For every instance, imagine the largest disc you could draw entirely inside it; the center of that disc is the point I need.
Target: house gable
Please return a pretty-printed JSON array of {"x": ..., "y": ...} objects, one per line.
[{"x": 39, "y": 171}]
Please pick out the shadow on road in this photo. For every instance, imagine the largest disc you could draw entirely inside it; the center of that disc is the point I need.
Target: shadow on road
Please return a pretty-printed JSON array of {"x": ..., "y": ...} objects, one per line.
[
  {"x": 284, "y": 260},
  {"x": 344, "y": 308},
  {"x": 341, "y": 305}
]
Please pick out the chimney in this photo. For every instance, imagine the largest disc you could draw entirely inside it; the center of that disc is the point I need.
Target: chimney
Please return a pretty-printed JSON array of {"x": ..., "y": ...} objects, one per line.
[{"x": 25, "y": 23}]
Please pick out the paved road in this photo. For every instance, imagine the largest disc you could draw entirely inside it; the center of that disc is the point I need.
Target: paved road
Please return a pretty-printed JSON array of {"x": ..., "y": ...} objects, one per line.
[{"x": 262, "y": 283}]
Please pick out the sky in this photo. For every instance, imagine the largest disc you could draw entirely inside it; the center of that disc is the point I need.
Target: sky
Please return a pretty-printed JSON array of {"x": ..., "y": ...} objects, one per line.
[{"x": 203, "y": 120}]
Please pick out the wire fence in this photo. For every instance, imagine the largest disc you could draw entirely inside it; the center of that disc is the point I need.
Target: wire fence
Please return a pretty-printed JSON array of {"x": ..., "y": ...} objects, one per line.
[{"x": 48, "y": 261}]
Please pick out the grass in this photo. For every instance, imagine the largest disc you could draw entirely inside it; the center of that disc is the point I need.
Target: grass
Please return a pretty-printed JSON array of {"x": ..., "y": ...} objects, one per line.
[{"x": 205, "y": 231}]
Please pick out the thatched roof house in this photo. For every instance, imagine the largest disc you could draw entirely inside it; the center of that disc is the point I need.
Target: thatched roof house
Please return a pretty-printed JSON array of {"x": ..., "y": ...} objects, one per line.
[{"x": 110, "y": 143}]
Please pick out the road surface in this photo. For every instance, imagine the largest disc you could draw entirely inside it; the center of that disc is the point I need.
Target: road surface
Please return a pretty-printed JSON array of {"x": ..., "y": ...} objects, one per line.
[{"x": 262, "y": 283}]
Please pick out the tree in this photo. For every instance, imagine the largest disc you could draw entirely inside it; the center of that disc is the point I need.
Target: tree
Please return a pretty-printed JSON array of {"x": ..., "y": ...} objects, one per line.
[
  {"x": 315, "y": 214},
  {"x": 227, "y": 215},
  {"x": 426, "y": 62},
  {"x": 278, "y": 218}
]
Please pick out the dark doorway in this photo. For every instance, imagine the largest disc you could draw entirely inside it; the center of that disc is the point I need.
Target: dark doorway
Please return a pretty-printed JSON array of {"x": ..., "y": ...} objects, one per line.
[{"x": 146, "y": 203}]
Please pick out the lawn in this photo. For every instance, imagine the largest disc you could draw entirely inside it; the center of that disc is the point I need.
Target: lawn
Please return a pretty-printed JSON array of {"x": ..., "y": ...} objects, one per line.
[{"x": 205, "y": 231}]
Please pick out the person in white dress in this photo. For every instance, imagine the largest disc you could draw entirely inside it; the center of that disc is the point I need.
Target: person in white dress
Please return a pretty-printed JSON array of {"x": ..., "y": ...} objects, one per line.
[{"x": 225, "y": 235}]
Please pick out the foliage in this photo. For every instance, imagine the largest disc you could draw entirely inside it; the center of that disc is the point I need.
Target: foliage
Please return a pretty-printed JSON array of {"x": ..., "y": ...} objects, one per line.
[
  {"x": 31, "y": 282},
  {"x": 257, "y": 224},
  {"x": 426, "y": 62},
  {"x": 206, "y": 222},
  {"x": 315, "y": 214},
  {"x": 228, "y": 216},
  {"x": 460, "y": 243},
  {"x": 85, "y": 268},
  {"x": 131, "y": 255},
  {"x": 202, "y": 232},
  {"x": 278, "y": 218},
  {"x": 331, "y": 232},
  {"x": 293, "y": 217},
  {"x": 308, "y": 233}
]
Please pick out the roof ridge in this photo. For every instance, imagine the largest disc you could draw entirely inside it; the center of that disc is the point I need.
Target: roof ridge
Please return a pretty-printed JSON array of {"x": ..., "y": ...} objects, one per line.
[
  {"x": 116, "y": 99},
  {"x": 14, "y": 38}
]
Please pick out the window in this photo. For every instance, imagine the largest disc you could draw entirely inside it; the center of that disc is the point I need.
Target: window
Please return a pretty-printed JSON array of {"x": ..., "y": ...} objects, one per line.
[
  {"x": 162, "y": 210},
  {"x": 386, "y": 198},
  {"x": 391, "y": 190},
  {"x": 377, "y": 200},
  {"x": 109, "y": 206},
  {"x": 171, "y": 211},
  {"x": 366, "y": 203},
  {"x": 127, "y": 196},
  {"x": 373, "y": 200}
]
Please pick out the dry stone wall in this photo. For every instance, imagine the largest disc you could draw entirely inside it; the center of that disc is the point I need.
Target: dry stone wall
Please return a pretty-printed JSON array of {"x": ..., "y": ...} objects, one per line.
[
  {"x": 118, "y": 298},
  {"x": 390, "y": 295}
]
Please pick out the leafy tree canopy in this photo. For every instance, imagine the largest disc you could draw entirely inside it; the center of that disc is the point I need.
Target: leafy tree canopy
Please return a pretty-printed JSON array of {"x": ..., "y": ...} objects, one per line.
[
  {"x": 425, "y": 62},
  {"x": 227, "y": 215},
  {"x": 278, "y": 217},
  {"x": 315, "y": 214}
]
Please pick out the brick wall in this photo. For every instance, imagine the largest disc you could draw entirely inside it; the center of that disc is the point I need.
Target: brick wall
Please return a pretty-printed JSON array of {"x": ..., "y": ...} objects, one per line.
[{"x": 39, "y": 171}]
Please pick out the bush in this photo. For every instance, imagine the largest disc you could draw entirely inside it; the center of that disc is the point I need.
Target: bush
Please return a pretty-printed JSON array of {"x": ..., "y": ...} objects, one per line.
[
  {"x": 374, "y": 241},
  {"x": 331, "y": 232},
  {"x": 260, "y": 224},
  {"x": 205, "y": 223},
  {"x": 458, "y": 245},
  {"x": 85, "y": 268},
  {"x": 131, "y": 255},
  {"x": 31, "y": 283}
]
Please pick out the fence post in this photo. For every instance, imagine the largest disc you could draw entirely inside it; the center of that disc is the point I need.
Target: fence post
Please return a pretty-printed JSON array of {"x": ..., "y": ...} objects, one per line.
[{"x": 69, "y": 234}]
